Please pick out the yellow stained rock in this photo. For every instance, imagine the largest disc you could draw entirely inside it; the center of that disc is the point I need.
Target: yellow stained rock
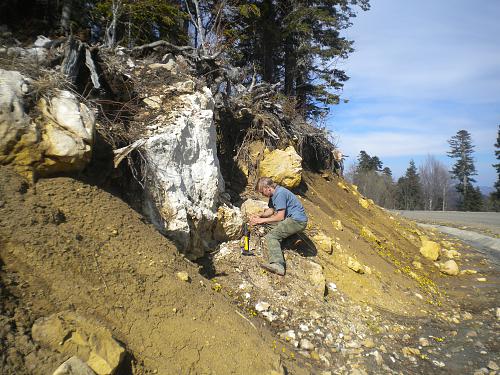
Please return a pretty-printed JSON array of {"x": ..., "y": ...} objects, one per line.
[
  {"x": 337, "y": 224},
  {"x": 363, "y": 202},
  {"x": 430, "y": 249},
  {"x": 283, "y": 166},
  {"x": 341, "y": 185},
  {"x": 323, "y": 242},
  {"x": 368, "y": 234},
  {"x": 354, "y": 265}
]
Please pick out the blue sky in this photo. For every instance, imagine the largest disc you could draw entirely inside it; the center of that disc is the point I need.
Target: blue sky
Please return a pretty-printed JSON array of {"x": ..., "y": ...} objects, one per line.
[{"x": 422, "y": 71}]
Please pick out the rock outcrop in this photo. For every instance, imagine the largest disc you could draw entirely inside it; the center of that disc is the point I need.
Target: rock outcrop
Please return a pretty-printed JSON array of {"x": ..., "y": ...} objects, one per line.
[
  {"x": 183, "y": 180},
  {"x": 58, "y": 140}
]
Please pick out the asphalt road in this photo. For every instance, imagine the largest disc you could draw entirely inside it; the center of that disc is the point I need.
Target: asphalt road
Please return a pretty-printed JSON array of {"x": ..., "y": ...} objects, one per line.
[{"x": 484, "y": 221}]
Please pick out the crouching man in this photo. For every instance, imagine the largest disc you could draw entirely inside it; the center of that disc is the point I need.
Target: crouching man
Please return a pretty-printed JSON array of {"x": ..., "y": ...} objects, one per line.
[{"x": 285, "y": 215}]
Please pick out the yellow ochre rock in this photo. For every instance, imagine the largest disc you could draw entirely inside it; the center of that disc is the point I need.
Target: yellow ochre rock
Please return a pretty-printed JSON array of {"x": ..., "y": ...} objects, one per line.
[
  {"x": 283, "y": 166},
  {"x": 430, "y": 249},
  {"x": 364, "y": 202},
  {"x": 337, "y": 224},
  {"x": 323, "y": 242}
]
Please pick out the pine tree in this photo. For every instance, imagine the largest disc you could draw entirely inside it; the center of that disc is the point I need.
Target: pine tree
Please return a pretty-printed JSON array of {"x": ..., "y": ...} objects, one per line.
[
  {"x": 497, "y": 166},
  {"x": 409, "y": 190},
  {"x": 368, "y": 163},
  {"x": 463, "y": 170},
  {"x": 295, "y": 43}
]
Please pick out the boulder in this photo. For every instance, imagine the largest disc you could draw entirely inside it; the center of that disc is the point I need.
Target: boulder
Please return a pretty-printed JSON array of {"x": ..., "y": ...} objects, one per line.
[
  {"x": 67, "y": 128},
  {"x": 354, "y": 265},
  {"x": 283, "y": 166},
  {"x": 316, "y": 277},
  {"x": 323, "y": 242},
  {"x": 18, "y": 134},
  {"x": 74, "y": 366},
  {"x": 253, "y": 207},
  {"x": 430, "y": 249},
  {"x": 58, "y": 140},
  {"x": 229, "y": 223},
  {"x": 183, "y": 175},
  {"x": 71, "y": 334},
  {"x": 449, "y": 268}
]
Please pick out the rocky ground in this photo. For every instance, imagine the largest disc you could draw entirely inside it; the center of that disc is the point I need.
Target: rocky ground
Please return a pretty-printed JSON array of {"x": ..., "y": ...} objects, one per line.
[{"x": 358, "y": 297}]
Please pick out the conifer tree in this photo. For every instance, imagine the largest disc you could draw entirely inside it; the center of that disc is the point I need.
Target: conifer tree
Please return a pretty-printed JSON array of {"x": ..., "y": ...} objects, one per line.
[
  {"x": 497, "y": 166},
  {"x": 409, "y": 190},
  {"x": 463, "y": 169}
]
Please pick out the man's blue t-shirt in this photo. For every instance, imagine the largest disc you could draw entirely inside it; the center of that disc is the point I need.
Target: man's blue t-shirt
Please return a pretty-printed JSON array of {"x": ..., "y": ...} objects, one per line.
[{"x": 284, "y": 199}]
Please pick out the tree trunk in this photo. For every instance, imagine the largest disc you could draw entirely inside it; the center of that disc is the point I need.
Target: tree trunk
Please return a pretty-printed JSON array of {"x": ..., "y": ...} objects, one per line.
[{"x": 66, "y": 16}]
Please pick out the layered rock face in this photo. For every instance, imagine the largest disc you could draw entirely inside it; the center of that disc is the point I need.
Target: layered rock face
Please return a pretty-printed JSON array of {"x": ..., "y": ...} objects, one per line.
[{"x": 57, "y": 137}]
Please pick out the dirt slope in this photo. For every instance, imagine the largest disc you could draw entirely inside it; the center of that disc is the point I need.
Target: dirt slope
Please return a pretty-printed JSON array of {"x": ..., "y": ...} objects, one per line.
[{"x": 68, "y": 245}]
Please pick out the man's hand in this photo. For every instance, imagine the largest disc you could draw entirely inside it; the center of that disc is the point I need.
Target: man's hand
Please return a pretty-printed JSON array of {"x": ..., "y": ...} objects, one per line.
[{"x": 254, "y": 220}]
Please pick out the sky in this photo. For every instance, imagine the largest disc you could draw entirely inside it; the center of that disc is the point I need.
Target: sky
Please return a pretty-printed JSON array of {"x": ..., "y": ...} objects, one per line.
[{"x": 422, "y": 71}]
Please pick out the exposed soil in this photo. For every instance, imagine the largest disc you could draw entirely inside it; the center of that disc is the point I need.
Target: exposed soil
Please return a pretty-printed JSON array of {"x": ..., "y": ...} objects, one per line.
[{"x": 69, "y": 245}]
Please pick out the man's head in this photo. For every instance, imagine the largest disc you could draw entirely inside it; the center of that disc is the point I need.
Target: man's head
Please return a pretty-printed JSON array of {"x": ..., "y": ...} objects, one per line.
[{"x": 265, "y": 186}]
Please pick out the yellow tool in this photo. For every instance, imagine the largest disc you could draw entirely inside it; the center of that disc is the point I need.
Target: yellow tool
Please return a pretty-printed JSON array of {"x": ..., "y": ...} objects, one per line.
[{"x": 245, "y": 241}]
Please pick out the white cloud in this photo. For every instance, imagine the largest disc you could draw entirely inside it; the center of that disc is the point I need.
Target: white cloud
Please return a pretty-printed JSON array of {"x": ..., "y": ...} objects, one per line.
[{"x": 422, "y": 71}]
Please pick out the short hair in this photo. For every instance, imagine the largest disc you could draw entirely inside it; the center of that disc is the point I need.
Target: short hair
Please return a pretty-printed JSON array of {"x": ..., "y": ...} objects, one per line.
[{"x": 263, "y": 182}]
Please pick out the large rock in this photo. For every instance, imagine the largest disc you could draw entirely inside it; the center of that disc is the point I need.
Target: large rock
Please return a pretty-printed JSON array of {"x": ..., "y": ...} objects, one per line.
[
  {"x": 67, "y": 133},
  {"x": 430, "y": 249},
  {"x": 18, "y": 135},
  {"x": 284, "y": 167},
  {"x": 68, "y": 333},
  {"x": 183, "y": 175},
  {"x": 253, "y": 207},
  {"x": 229, "y": 223},
  {"x": 323, "y": 242},
  {"x": 449, "y": 268},
  {"x": 58, "y": 140}
]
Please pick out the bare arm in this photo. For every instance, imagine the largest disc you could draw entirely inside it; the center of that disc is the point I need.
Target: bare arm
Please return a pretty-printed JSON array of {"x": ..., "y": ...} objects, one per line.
[
  {"x": 267, "y": 212},
  {"x": 274, "y": 218}
]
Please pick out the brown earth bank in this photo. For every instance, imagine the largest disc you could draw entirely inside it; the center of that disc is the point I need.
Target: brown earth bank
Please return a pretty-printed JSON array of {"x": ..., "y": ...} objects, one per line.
[{"x": 69, "y": 246}]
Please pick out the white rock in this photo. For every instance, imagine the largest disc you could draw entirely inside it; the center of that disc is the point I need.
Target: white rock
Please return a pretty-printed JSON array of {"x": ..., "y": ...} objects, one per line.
[
  {"x": 184, "y": 179},
  {"x": 304, "y": 327},
  {"x": 42, "y": 41},
  {"x": 449, "y": 268},
  {"x": 262, "y": 306},
  {"x": 74, "y": 366},
  {"x": 289, "y": 335},
  {"x": 378, "y": 358},
  {"x": 332, "y": 287},
  {"x": 13, "y": 120},
  {"x": 306, "y": 345},
  {"x": 269, "y": 316}
]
